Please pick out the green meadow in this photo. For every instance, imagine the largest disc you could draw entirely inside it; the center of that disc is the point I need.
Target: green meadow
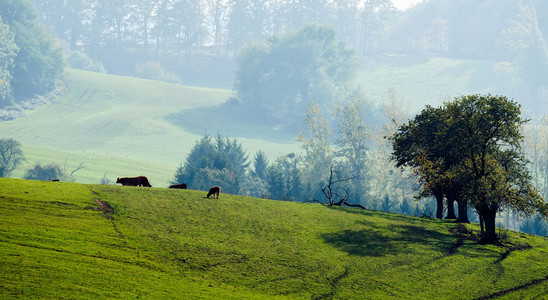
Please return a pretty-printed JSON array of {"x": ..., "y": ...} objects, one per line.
[
  {"x": 120, "y": 126},
  {"x": 79, "y": 241}
]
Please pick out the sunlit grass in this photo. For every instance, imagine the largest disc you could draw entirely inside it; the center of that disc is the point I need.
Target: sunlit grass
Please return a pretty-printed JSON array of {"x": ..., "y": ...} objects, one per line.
[{"x": 158, "y": 243}]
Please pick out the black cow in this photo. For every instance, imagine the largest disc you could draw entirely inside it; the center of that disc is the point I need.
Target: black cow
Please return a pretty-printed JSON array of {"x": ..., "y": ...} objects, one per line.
[{"x": 134, "y": 181}]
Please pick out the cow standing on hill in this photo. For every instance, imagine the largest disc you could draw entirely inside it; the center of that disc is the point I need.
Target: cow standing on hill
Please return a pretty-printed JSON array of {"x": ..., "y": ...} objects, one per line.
[
  {"x": 134, "y": 181},
  {"x": 179, "y": 186},
  {"x": 214, "y": 191}
]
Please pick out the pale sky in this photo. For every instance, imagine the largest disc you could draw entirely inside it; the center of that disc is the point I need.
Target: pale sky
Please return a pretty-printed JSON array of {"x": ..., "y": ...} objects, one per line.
[{"x": 405, "y": 4}]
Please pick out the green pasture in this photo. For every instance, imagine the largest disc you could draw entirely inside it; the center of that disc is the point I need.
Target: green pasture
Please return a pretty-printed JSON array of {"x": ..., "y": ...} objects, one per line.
[
  {"x": 431, "y": 81},
  {"x": 69, "y": 240},
  {"x": 119, "y": 126},
  {"x": 123, "y": 126},
  {"x": 97, "y": 166}
]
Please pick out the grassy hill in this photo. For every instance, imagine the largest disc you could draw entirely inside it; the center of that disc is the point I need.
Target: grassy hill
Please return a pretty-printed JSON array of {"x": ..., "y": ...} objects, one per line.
[
  {"x": 420, "y": 81},
  {"x": 119, "y": 126},
  {"x": 68, "y": 240}
]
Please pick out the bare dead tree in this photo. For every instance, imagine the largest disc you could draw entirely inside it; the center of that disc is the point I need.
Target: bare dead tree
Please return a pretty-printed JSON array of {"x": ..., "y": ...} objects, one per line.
[
  {"x": 337, "y": 196},
  {"x": 80, "y": 166}
]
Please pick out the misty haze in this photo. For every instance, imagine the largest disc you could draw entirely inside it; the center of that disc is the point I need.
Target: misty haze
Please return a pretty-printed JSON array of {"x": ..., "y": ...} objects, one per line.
[{"x": 432, "y": 110}]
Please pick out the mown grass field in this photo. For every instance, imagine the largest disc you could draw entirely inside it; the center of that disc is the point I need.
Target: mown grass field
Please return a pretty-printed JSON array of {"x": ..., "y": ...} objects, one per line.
[
  {"x": 124, "y": 122},
  {"x": 68, "y": 240}
]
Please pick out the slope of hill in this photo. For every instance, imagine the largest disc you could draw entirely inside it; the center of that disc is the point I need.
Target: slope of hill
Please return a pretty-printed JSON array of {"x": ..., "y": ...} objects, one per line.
[
  {"x": 122, "y": 126},
  {"x": 419, "y": 81},
  {"x": 67, "y": 240},
  {"x": 123, "y": 120}
]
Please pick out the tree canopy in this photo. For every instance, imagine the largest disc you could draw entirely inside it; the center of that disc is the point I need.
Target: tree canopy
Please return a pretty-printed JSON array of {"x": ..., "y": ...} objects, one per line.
[
  {"x": 11, "y": 156},
  {"x": 284, "y": 74},
  {"x": 471, "y": 147},
  {"x": 220, "y": 161},
  {"x": 39, "y": 61}
]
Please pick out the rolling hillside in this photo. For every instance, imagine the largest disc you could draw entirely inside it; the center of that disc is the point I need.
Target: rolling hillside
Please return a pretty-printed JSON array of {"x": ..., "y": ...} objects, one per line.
[
  {"x": 121, "y": 126},
  {"x": 118, "y": 126},
  {"x": 68, "y": 240}
]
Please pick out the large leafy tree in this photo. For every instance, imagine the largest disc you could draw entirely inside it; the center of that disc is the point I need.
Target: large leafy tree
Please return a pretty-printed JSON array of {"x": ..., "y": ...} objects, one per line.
[
  {"x": 486, "y": 135},
  {"x": 353, "y": 136},
  {"x": 39, "y": 62},
  {"x": 285, "y": 74},
  {"x": 419, "y": 145},
  {"x": 471, "y": 147},
  {"x": 316, "y": 141}
]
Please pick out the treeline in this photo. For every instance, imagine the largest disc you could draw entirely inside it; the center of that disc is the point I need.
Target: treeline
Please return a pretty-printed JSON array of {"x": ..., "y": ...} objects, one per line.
[
  {"x": 181, "y": 35},
  {"x": 122, "y": 34},
  {"x": 340, "y": 139}
]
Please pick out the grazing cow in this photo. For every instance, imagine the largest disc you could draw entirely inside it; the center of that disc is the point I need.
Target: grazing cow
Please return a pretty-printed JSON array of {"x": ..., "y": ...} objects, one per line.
[
  {"x": 214, "y": 191},
  {"x": 134, "y": 181},
  {"x": 55, "y": 180},
  {"x": 179, "y": 186}
]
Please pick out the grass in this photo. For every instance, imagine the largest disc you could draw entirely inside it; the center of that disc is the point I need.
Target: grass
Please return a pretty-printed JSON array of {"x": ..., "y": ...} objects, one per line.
[
  {"x": 436, "y": 79},
  {"x": 119, "y": 125},
  {"x": 122, "y": 126},
  {"x": 161, "y": 243}
]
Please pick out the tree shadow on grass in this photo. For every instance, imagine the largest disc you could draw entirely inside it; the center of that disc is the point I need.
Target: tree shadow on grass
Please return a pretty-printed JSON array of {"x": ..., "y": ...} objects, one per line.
[{"x": 393, "y": 239}]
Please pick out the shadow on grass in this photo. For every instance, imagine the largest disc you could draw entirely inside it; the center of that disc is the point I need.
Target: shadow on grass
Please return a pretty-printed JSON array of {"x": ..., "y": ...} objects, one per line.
[
  {"x": 235, "y": 120},
  {"x": 393, "y": 239}
]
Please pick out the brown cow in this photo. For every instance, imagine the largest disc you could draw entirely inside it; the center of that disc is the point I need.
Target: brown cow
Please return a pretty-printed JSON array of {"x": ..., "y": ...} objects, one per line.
[
  {"x": 179, "y": 186},
  {"x": 134, "y": 181},
  {"x": 214, "y": 191}
]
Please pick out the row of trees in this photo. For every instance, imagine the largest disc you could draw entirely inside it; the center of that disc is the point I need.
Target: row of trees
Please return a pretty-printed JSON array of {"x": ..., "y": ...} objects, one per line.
[
  {"x": 340, "y": 140},
  {"x": 30, "y": 61},
  {"x": 470, "y": 151},
  {"x": 163, "y": 29}
]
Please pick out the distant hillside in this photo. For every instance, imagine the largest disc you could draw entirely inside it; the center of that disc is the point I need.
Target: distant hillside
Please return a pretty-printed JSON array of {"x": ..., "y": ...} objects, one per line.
[
  {"x": 123, "y": 126},
  {"x": 418, "y": 81},
  {"x": 124, "y": 121},
  {"x": 66, "y": 240}
]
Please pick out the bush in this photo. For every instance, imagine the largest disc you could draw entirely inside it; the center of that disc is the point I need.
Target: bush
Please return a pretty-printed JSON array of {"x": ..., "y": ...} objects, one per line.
[
  {"x": 45, "y": 172},
  {"x": 50, "y": 172},
  {"x": 79, "y": 60},
  {"x": 155, "y": 71}
]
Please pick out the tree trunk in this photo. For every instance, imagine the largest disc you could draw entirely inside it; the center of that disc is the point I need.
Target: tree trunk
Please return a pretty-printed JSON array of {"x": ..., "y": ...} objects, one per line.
[
  {"x": 482, "y": 231},
  {"x": 439, "y": 203},
  {"x": 489, "y": 218},
  {"x": 450, "y": 208},
  {"x": 463, "y": 211}
]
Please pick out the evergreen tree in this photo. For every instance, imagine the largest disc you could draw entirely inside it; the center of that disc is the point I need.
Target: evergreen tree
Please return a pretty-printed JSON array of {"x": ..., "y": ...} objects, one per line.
[
  {"x": 218, "y": 161},
  {"x": 260, "y": 165}
]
